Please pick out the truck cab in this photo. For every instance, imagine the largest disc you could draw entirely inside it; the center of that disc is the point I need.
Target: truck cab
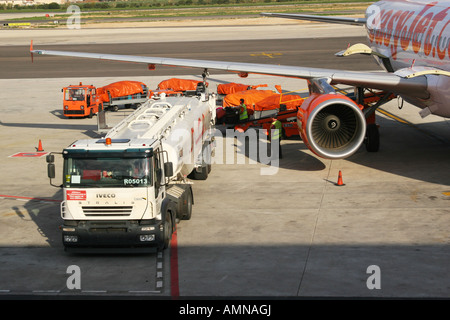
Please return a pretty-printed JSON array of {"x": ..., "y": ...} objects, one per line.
[{"x": 81, "y": 101}]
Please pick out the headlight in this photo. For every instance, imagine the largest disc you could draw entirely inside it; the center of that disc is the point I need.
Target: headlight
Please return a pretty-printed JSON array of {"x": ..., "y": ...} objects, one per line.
[
  {"x": 82, "y": 107},
  {"x": 70, "y": 238},
  {"x": 147, "y": 237}
]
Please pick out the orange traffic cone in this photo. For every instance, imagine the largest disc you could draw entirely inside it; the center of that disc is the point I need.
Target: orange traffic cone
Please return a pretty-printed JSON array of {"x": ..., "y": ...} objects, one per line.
[
  {"x": 340, "y": 182},
  {"x": 39, "y": 148}
]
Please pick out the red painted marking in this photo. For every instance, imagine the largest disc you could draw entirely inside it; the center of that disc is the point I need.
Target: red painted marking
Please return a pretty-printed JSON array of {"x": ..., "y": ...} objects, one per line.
[
  {"x": 28, "y": 198},
  {"x": 174, "y": 283},
  {"x": 28, "y": 154}
]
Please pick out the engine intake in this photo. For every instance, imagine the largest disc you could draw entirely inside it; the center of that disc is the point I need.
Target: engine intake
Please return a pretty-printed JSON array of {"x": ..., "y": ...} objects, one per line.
[{"x": 331, "y": 125}]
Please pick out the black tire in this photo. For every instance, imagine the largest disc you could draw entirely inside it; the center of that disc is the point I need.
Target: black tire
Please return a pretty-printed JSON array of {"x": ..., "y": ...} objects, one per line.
[
  {"x": 167, "y": 232},
  {"x": 372, "y": 138},
  {"x": 187, "y": 210},
  {"x": 202, "y": 173}
]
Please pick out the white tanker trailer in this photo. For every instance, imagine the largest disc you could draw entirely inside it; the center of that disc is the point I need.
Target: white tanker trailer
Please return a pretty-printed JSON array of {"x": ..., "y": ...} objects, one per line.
[{"x": 129, "y": 189}]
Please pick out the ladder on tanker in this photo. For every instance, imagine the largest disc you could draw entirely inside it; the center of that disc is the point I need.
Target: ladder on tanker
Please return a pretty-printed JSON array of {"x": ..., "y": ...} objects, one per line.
[{"x": 152, "y": 120}]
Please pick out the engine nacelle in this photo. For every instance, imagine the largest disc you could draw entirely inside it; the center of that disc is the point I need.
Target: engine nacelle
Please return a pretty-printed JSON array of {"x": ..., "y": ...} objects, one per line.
[{"x": 331, "y": 125}]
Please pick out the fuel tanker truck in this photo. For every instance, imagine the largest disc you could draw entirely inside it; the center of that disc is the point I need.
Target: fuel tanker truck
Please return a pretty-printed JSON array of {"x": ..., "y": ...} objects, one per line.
[{"x": 129, "y": 188}]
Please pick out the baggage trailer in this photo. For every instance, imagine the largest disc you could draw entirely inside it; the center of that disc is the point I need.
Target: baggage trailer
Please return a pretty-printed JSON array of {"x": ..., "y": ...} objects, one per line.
[
  {"x": 288, "y": 119},
  {"x": 124, "y": 94}
]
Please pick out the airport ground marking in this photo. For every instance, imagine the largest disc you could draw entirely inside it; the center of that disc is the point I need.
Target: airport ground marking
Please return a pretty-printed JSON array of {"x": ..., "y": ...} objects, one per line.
[
  {"x": 401, "y": 120},
  {"x": 20, "y": 198},
  {"x": 268, "y": 55},
  {"x": 174, "y": 281},
  {"x": 28, "y": 155}
]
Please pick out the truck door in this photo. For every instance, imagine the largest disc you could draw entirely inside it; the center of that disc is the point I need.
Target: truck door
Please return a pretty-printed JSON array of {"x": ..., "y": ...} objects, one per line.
[
  {"x": 88, "y": 98},
  {"x": 159, "y": 180}
]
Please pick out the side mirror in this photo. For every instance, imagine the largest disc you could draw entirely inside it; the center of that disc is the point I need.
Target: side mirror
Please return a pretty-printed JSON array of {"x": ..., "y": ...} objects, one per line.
[
  {"x": 50, "y": 158},
  {"x": 168, "y": 169},
  {"x": 51, "y": 170}
]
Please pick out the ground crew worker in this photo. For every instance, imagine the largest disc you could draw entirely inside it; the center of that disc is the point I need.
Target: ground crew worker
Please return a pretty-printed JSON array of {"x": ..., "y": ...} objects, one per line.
[
  {"x": 275, "y": 134},
  {"x": 243, "y": 116}
]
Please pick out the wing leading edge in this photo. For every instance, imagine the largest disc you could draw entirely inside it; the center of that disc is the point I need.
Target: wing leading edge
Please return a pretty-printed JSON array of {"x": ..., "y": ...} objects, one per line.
[
  {"x": 375, "y": 80},
  {"x": 329, "y": 19}
]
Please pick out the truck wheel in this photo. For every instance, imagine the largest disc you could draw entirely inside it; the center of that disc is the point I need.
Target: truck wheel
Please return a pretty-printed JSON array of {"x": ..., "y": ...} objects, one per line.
[
  {"x": 167, "y": 232},
  {"x": 91, "y": 114},
  {"x": 201, "y": 173},
  {"x": 187, "y": 212}
]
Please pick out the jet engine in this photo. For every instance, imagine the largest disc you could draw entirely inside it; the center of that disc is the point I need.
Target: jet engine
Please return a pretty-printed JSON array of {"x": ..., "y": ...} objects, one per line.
[{"x": 331, "y": 125}]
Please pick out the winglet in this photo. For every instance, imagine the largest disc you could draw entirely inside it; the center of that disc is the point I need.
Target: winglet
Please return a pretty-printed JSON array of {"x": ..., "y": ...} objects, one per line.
[{"x": 31, "y": 50}]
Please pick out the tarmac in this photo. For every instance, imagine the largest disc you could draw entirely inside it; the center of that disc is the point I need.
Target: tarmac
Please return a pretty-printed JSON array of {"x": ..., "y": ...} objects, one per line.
[{"x": 286, "y": 232}]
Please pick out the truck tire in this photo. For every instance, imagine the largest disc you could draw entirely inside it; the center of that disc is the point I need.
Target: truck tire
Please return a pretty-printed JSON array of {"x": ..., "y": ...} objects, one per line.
[
  {"x": 205, "y": 169},
  {"x": 187, "y": 209},
  {"x": 201, "y": 173},
  {"x": 167, "y": 232}
]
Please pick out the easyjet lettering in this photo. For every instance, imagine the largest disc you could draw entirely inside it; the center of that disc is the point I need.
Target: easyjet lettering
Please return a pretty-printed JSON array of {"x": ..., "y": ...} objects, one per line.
[{"x": 423, "y": 32}]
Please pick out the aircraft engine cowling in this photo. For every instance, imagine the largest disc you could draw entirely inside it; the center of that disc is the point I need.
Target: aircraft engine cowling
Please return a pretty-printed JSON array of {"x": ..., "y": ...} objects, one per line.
[{"x": 331, "y": 125}]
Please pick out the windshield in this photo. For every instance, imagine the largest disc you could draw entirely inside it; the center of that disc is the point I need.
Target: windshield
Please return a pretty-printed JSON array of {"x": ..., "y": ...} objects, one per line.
[
  {"x": 107, "y": 172},
  {"x": 74, "y": 94}
]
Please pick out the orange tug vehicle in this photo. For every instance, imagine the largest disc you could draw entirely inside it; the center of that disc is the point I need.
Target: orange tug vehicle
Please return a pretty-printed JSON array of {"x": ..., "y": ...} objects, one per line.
[{"x": 86, "y": 100}]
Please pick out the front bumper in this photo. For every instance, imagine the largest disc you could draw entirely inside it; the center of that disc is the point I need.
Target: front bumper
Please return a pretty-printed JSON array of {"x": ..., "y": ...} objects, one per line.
[
  {"x": 124, "y": 234},
  {"x": 72, "y": 113}
]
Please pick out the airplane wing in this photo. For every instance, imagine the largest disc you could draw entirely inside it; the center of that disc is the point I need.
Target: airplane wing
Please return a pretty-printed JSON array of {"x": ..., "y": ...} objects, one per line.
[
  {"x": 333, "y": 135},
  {"x": 323, "y": 77},
  {"x": 329, "y": 19}
]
